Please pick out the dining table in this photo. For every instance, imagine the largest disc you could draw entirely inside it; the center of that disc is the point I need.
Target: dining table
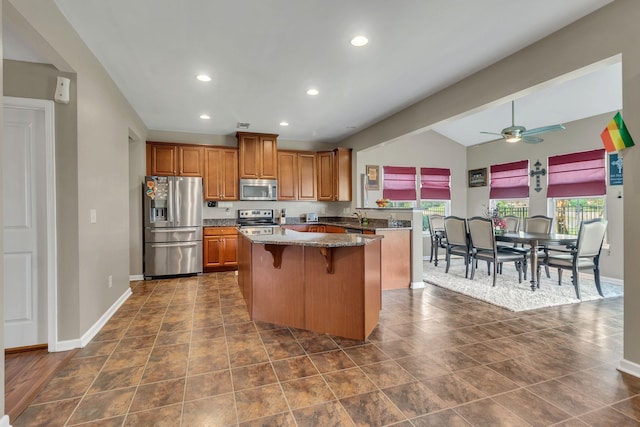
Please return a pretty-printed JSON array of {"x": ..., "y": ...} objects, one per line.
[{"x": 535, "y": 241}]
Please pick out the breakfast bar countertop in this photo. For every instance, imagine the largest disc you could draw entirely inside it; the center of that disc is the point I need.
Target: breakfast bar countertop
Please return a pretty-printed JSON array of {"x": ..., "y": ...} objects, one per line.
[{"x": 283, "y": 236}]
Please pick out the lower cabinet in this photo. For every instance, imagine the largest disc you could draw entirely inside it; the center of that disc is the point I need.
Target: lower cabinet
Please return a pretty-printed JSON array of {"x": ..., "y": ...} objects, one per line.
[{"x": 220, "y": 246}]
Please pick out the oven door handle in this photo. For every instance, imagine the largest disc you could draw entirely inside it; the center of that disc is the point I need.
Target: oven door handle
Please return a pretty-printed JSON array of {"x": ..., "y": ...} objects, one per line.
[{"x": 173, "y": 245}]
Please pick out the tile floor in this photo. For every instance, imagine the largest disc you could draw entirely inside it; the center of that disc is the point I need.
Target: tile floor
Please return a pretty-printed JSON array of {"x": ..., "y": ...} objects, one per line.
[{"x": 183, "y": 352}]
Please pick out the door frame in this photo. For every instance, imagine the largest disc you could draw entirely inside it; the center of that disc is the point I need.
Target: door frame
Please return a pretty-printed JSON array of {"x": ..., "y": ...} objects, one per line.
[{"x": 47, "y": 107}]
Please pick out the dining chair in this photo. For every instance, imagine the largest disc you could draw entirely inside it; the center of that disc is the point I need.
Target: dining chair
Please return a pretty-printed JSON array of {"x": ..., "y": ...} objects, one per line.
[
  {"x": 457, "y": 241},
  {"x": 436, "y": 229},
  {"x": 512, "y": 224},
  {"x": 537, "y": 224},
  {"x": 483, "y": 247},
  {"x": 584, "y": 255}
]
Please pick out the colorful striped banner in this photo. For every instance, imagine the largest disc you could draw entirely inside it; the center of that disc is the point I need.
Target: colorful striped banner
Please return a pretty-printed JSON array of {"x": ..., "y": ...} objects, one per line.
[{"x": 615, "y": 136}]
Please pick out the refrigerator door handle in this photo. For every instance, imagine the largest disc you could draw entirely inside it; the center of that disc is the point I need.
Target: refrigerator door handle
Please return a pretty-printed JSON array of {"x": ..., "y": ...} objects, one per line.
[
  {"x": 173, "y": 230},
  {"x": 170, "y": 204},
  {"x": 173, "y": 245}
]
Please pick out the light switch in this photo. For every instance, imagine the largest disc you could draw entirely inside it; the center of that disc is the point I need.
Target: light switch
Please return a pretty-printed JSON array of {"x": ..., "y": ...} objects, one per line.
[{"x": 94, "y": 217}]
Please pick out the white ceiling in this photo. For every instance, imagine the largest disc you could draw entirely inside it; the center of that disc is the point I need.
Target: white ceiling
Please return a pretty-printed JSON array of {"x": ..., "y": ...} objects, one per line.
[{"x": 264, "y": 54}]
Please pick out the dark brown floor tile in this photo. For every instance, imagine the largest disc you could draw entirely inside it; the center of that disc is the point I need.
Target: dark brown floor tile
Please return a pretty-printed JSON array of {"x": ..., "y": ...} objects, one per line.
[
  {"x": 64, "y": 388},
  {"x": 573, "y": 401},
  {"x": 452, "y": 390},
  {"x": 349, "y": 382},
  {"x": 318, "y": 344},
  {"x": 608, "y": 417},
  {"x": 103, "y": 405},
  {"x": 373, "y": 409},
  {"x": 46, "y": 414},
  {"x": 421, "y": 368},
  {"x": 294, "y": 368},
  {"x": 531, "y": 408},
  {"x": 630, "y": 407},
  {"x": 346, "y": 342},
  {"x": 276, "y": 335},
  {"x": 330, "y": 414},
  {"x": 136, "y": 343},
  {"x": 387, "y": 374},
  {"x": 279, "y": 420},
  {"x": 210, "y": 411},
  {"x": 414, "y": 399},
  {"x": 173, "y": 338},
  {"x": 307, "y": 392},
  {"x": 397, "y": 348},
  {"x": 486, "y": 412},
  {"x": 248, "y": 356},
  {"x": 169, "y": 353},
  {"x": 331, "y": 361},
  {"x": 162, "y": 371},
  {"x": 483, "y": 353},
  {"x": 519, "y": 372},
  {"x": 83, "y": 367},
  {"x": 604, "y": 384},
  {"x": 253, "y": 376},
  {"x": 572, "y": 422},
  {"x": 284, "y": 350},
  {"x": 260, "y": 402},
  {"x": 486, "y": 380},
  {"x": 155, "y": 395},
  {"x": 127, "y": 359},
  {"x": 452, "y": 360},
  {"x": 107, "y": 422},
  {"x": 207, "y": 333},
  {"x": 97, "y": 348},
  {"x": 444, "y": 418},
  {"x": 213, "y": 361},
  {"x": 167, "y": 416},
  {"x": 366, "y": 354},
  {"x": 209, "y": 384},
  {"x": 117, "y": 378}
]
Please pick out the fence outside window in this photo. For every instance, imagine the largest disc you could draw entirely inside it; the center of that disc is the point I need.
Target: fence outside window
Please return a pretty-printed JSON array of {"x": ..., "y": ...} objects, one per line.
[{"x": 571, "y": 212}]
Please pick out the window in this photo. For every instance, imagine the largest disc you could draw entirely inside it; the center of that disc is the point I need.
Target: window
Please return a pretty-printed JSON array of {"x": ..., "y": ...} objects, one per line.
[
  {"x": 576, "y": 186},
  {"x": 509, "y": 191},
  {"x": 435, "y": 193},
  {"x": 399, "y": 184},
  {"x": 515, "y": 207}
]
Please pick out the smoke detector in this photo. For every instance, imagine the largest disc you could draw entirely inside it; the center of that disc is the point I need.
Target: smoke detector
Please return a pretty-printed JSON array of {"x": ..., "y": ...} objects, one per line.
[{"x": 242, "y": 125}]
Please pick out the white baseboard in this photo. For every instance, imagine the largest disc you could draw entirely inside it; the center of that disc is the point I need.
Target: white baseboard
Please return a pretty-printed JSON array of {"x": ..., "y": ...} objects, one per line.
[
  {"x": 136, "y": 277},
  {"x": 417, "y": 285},
  {"x": 4, "y": 421},
  {"x": 630, "y": 368},
  {"x": 93, "y": 330},
  {"x": 610, "y": 280},
  {"x": 66, "y": 345}
]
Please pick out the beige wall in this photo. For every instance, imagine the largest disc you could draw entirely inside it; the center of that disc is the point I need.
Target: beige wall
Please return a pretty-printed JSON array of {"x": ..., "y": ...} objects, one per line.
[
  {"x": 581, "y": 135},
  {"x": 104, "y": 122},
  {"x": 600, "y": 36},
  {"x": 1, "y": 236}
]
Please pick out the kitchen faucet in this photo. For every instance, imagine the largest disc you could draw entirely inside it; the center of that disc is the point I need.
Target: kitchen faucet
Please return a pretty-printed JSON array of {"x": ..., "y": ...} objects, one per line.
[{"x": 362, "y": 217}]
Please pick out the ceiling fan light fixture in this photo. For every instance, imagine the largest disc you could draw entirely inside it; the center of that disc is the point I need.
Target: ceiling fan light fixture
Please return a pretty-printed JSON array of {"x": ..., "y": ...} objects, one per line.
[{"x": 513, "y": 138}]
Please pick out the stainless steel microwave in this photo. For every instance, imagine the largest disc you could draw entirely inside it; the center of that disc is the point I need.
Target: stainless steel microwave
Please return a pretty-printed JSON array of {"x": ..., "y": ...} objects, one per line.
[{"x": 258, "y": 189}]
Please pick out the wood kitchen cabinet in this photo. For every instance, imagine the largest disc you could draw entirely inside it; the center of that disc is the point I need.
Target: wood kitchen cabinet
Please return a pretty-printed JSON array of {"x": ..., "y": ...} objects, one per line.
[
  {"x": 220, "y": 181},
  {"x": 174, "y": 159},
  {"x": 258, "y": 155},
  {"x": 334, "y": 175},
  {"x": 297, "y": 175},
  {"x": 220, "y": 246}
]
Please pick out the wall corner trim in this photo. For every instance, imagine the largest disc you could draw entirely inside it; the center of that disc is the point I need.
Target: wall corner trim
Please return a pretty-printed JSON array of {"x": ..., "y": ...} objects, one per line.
[
  {"x": 417, "y": 285},
  {"x": 93, "y": 330},
  {"x": 4, "y": 421},
  {"x": 629, "y": 367}
]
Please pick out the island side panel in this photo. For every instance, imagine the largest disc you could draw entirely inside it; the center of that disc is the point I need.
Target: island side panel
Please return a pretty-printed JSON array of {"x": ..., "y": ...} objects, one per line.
[
  {"x": 278, "y": 293},
  {"x": 244, "y": 269},
  {"x": 396, "y": 259},
  {"x": 372, "y": 286},
  {"x": 335, "y": 301}
]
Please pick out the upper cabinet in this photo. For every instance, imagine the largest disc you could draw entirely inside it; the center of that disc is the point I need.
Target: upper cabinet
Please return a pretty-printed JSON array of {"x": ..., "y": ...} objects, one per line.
[
  {"x": 297, "y": 175},
  {"x": 258, "y": 155},
  {"x": 334, "y": 175},
  {"x": 174, "y": 159},
  {"x": 220, "y": 180}
]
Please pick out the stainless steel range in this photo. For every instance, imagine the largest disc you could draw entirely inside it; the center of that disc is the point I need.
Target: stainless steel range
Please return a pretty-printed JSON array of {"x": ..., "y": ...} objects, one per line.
[{"x": 256, "y": 221}]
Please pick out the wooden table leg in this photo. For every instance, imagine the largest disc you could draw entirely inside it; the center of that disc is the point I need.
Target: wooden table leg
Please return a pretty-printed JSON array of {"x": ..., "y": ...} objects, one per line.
[{"x": 535, "y": 278}]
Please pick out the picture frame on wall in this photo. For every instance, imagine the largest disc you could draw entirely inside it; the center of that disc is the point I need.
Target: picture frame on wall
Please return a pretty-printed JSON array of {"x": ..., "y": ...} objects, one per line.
[
  {"x": 373, "y": 177},
  {"x": 478, "y": 177}
]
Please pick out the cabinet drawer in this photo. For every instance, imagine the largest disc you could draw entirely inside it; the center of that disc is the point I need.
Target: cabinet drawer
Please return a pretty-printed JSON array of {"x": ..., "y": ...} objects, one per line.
[{"x": 220, "y": 231}]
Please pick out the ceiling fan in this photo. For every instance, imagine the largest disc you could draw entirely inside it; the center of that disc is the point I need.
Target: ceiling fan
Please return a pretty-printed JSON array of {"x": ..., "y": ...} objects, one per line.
[{"x": 515, "y": 133}]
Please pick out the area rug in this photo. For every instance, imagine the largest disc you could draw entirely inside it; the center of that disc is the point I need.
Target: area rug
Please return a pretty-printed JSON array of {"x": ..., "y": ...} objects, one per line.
[{"x": 510, "y": 294}]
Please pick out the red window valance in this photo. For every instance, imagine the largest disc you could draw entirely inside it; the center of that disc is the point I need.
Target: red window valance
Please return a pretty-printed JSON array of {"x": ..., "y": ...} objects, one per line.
[
  {"x": 577, "y": 174},
  {"x": 399, "y": 183},
  {"x": 510, "y": 180},
  {"x": 435, "y": 184}
]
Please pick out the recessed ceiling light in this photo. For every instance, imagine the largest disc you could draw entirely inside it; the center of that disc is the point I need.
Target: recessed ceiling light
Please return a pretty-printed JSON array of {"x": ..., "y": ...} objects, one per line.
[
  {"x": 359, "y": 41},
  {"x": 204, "y": 116},
  {"x": 312, "y": 92},
  {"x": 203, "y": 78},
  {"x": 284, "y": 123}
]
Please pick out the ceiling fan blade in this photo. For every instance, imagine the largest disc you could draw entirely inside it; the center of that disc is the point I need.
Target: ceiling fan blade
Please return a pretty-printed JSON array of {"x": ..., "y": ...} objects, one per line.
[
  {"x": 543, "y": 129},
  {"x": 532, "y": 139},
  {"x": 492, "y": 133}
]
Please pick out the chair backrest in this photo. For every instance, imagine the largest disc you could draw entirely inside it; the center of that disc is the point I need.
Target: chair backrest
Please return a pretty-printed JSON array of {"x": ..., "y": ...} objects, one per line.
[
  {"x": 456, "y": 230},
  {"x": 538, "y": 224},
  {"x": 591, "y": 236},
  {"x": 481, "y": 233},
  {"x": 436, "y": 222},
  {"x": 512, "y": 222}
]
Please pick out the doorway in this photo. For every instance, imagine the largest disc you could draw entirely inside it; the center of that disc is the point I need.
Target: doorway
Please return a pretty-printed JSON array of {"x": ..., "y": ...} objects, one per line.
[{"x": 29, "y": 223}]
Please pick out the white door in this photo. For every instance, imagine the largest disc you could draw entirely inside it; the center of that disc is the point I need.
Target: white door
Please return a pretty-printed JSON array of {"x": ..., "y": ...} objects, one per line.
[{"x": 24, "y": 205}]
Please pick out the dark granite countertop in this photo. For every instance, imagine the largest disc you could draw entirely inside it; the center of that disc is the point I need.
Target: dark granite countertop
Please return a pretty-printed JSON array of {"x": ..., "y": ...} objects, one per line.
[
  {"x": 283, "y": 236},
  {"x": 373, "y": 225}
]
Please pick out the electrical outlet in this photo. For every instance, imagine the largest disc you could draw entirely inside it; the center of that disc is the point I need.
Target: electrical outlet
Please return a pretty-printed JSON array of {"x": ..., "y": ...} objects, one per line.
[
  {"x": 93, "y": 216},
  {"x": 110, "y": 281}
]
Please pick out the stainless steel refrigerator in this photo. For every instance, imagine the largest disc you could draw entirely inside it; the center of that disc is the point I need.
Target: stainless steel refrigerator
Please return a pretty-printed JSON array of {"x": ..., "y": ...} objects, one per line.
[{"x": 172, "y": 225}]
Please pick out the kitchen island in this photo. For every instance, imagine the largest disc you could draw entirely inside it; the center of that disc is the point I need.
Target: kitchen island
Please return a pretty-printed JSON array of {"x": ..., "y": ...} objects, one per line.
[{"x": 322, "y": 282}]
